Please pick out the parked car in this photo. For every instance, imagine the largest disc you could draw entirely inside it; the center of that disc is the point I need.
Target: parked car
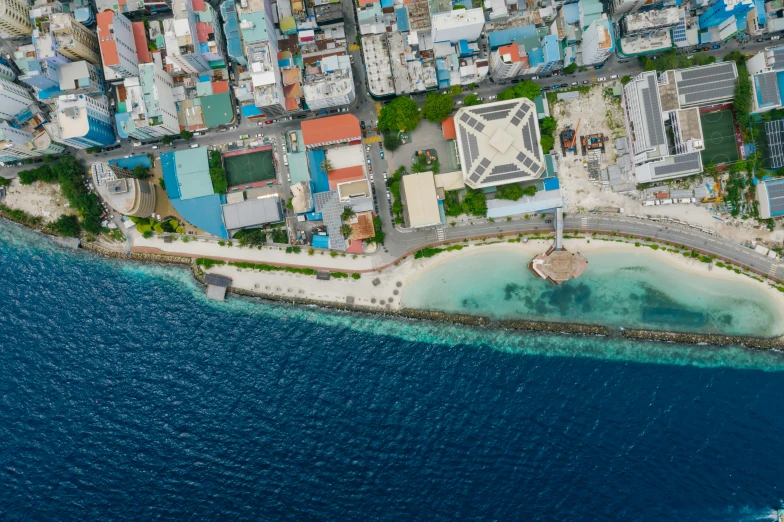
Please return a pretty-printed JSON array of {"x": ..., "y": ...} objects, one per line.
[
  {"x": 154, "y": 147},
  {"x": 575, "y": 83},
  {"x": 614, "y": 77},
  {"x": 775, "y": 37},
  {"x": 586, "y": 82},
  {"x": 368, "y": 160},
  {"x": 716, "y": 47},
  {"x": 260, "y": 135},
  {"x": 362, "y": 124},
  {"x": 195, "y": 146},
  {"x": 268, "y": 122},
  {"x": 285, "y": 160},
  {"x": 564, "y": 85},
  {"x": 492, "y": 97},
  {"x": 534, "y": 77},
  {"x": 759, "y": 40},
  {"x": 367, "y": 148},
  {"x": 385, "y": 175},
  {"x": 548, "y": 220},
  {"x": 597, "y": 67},
  {"x": 706, "y": 48},
  {"x": 381, "y": 153},
  {"x": 602, "y": 79},
  {"x": 260, "y": 124},
  {"x": 546, "y": 88}
]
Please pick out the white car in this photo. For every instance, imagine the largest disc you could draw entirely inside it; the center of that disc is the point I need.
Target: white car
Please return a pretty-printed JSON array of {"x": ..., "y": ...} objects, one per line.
[
  {"x": 492, "y": 97},
  {"x": 260, "y": 135},
  {"x": 367, "y": 148},
  {"x": 389, "y": 196},
  {"x": 534, "y": 77},
  {"x": 286, "y": 160},
  {"x": 602, "y": 79},
  {"x": 154, "y": 147},
  {"x": 385, "y": 175},
  {"x": 260, "y": 124},
  {"x": 371, "y": 178},
  {"x": 614, "y": 77}
]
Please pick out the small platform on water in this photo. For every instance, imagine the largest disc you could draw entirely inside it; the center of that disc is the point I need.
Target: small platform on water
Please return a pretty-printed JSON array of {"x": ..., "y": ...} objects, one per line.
[
  {"x": 558, "y": 266},
  {"x": 216, "y": 286}
]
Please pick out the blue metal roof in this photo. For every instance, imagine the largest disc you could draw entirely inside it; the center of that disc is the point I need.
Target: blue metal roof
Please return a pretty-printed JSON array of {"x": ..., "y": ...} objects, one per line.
[
  {"x": 204, "y": 212},
  {"x": 320, "y": 242},
  {"x": 507, "y": 36},
  {"x": 551, "y": 184},
  {"x": 317, "y": 174},
  {"x": 402, "y": 19},
  {"x": 231, "y": 29},
  {"x": 169, "y": 170},
  {"x": 133, "y": 161},
  {"x": 551, "y": 49},
  {"x": 571, "y": 13},
  {"x": 250, "y": 110},
  {"x": 536, "y": 57}
]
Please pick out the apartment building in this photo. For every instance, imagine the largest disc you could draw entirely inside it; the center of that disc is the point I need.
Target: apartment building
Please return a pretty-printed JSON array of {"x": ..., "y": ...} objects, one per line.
[
  {"x": 13, "y": 99},
  {"x": 147, "y": 107},
  {"x": 329, "y": 83},
  {"x": 58, "y": 34},
  {"x": 117, "y": 44},
  {"x": 84, "y": 121},
  {"x": 15, "y": 19}
]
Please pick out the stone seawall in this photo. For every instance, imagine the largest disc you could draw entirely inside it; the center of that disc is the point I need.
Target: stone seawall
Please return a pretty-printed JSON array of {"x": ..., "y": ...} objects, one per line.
[
  {"x": 756, "y": 343},
  {"x": 134, "y": 256}
]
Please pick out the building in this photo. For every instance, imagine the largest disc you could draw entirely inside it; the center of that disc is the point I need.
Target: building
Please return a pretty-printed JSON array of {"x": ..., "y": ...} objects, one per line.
[
  {"x": 498, "y": 143},
  {"x": 26, "y": 140},
  {"x": 84, "y": 121},
  {"x": 134, "y": 9},
  {"x": 59, "y": 34},
  {"x": 147, "y": 108},
  {"x": 329, "y": 83},
  {"x": 460, "y": 24},
  {"x": 252, "y": 213},
  {"x": 42, "y": 76},
  {"x": 598, "y": 42},
  {"x": 723, "y": 11},
  {"x": 321, "y": 132},
  {"x": 770, "y": 195},
  {"x": 15, "y": 19},
  {"x": 509, "y": 61},
  {"x": 767, "y": 77},
  {"x": 117, "y": 44},
  {"x": 193, "y": 38},
  {"x": 420, "y": 202},
  {"x": 13, "y": 99},
  {"x": 624, "y": 7},
  {"x": 124, "y": 193},
  {"x": 186, "y": 174},
  {"x": 6, "y": 72},
  {"x": 674, "y": 98},
  {"x": 80, "y": 78}
]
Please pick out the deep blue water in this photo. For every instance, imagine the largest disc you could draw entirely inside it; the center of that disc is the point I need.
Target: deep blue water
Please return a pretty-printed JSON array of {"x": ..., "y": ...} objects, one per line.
[{"x": 124, "y": 394}]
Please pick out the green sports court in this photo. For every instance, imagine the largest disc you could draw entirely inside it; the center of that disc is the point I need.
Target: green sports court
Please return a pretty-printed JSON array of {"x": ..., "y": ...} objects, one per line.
[
  {"x": 248, "y": 169},
  {"x": 721, "y": 144}
]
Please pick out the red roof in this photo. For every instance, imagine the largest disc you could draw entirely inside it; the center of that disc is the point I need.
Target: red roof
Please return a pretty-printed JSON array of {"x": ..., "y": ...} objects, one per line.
[
  {"x": 203, "y": 30},
  {"x": 355, "y": 246},
  {"x": 198, "y": 5},
  {"x": 106, "y": 38},
  {"x": 515, "y": 54},
  {"x": 219, "y": 87},
  {"x": 345, "y": 175},
  {"x": 449, "y": 128},
  {"x": 140, "y": 38},
  {"x": 344, "y": 127},
  {"x": 291, "y": 104}
]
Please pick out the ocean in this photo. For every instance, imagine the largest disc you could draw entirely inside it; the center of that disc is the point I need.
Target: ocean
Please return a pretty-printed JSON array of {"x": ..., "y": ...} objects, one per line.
[{"x": 125, "y": 394}]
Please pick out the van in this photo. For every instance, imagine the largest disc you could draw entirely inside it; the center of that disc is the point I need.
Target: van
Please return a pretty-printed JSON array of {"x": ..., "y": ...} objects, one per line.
[
  {"x": 195, "y": 146},
  {"x": 286, "y": 160},
  {"x": 137, "y": 144}
]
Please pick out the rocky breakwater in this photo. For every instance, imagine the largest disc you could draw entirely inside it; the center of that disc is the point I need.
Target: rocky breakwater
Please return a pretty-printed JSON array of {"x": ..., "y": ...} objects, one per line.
[
  {"x": 136, "y": 256},
  {"x": 554, "y": 327},
  {"x": 757, "y": 343}
]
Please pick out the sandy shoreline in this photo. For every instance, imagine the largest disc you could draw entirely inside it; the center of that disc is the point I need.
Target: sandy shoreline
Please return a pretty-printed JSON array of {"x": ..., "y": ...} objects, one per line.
[{"x": 385, "y": 289}]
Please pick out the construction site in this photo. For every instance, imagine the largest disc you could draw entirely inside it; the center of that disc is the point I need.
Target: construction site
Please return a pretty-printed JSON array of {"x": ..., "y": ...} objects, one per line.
[{"x": 596, "y": 174}]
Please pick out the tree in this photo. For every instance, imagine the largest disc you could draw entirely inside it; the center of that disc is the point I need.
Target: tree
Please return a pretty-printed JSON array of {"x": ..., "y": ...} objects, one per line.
[
  {"x": 471, "y": 99},
  {"x": 218, "y": 177},
  {"x": 327, "y": 165},
  {"x": 529, "y": 190},
  {"x": 378, "y": 237},
  {"x": 66, "y": 226},
  {"x": 511, "y": 192},
  {"x": 391, "y": 141},
  {"x": 347, "y": 214},
  {"x": 346, "y": 230},
  {"x": 474, "y": 202},
  {"x": 92, "y": 150},
  {"x": 524, "y": 89},
  {"x": 437, "y": 107},
  {"x": 570, "y": 69},
  {"x": 547, "y": 142},
  {"x": 548, "y": 125},
  {"x": 401, "y": 114},
  {"x": 4, "y": 182},
  {"x": 140, "y": 172},
  {"x": 186, "y": 135},
  {"x": 167, "y": 140},
  {"x": 456, "y": 89},
  {"x": 626, "y": 79},
  {"x": 290, "y": 204},
  {"x": 162, "y": 183}
]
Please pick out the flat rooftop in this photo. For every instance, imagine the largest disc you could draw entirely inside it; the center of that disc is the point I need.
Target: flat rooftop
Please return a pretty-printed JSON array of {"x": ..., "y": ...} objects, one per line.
[{"x": 558, "y": 266}]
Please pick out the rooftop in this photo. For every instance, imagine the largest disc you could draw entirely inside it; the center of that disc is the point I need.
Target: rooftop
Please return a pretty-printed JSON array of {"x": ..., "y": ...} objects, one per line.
[
  {"x": 187, "y": 173},
  {"x": 252, "y": 212},
  {"x": 418, "y": 192},
  {"x": 707, "y": 84},
  {"x": 558, "y": 266},
  {"x": 647, "y": 20},
  {"x": 106, "y": 40},
  {"x": 499, "y": 143},
  {"x": 344, "y": 127}
]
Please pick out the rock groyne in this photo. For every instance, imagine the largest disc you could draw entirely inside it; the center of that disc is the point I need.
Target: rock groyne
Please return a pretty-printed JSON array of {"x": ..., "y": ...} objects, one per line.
[{"x": 757, "y": 343}]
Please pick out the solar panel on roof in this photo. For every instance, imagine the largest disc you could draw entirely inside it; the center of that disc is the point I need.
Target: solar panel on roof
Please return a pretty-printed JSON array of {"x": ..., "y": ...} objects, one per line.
[
  {"x": 775, "y": 196},
  {"x": 507, "y": 176},
  {"x": 653, "y": 116},
  {"x": 775, "y": 133},
  {"x": 479, "y": 126},
  {"x": 468, "y": 150},
  {"x": 485, "y": 162},
  {"x": 496, "y": 115},
  {"x": 486, "y": 110},
  {"x": 684, "y": 163},
  {"x": 699, "y": 72},
  {"x": 527, "y": 139},
  {"x": 474, "y": 178},
  {"x": 532, "y": 131},
  {"x": 515, "y": 121},
  {"x": 535, "y": 167},
  {"x": 521, "y": 157},
  {"x": 507, "y": 167},
  {"x": 465, "y": 117},
  {"x": 528, "y": 162},
  {"x": 768, "y": 89}
]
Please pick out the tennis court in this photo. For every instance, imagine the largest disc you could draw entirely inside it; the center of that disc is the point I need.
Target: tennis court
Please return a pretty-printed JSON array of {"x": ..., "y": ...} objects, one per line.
[
  {"x": 249, "y": 169},
  {"x": 721, "y": 144}
]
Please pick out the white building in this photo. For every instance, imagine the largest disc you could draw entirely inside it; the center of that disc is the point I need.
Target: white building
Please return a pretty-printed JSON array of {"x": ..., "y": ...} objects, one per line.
[
  {"x": 13, "y": 99},
  {"x": 6, "y": 73},
  {"x": 598, "y": 43},
  {"x": 118, "y": 47},
  {"x": 18, "y": 144},
  {"x": 182, "y": 40},
  {"x": 151, "y": 110},
  {"x": 15, "y": 19},
  {"x": 331, "y": 86},
  {"x": 80, "y": 77},
  {"x": 460, "y": 24},
  {"x": 265, "y": 79},
  {"x": 622, "y": 7},
  {"x": 498, "y": 143},
  {"x": 84, "y": 121},
  {"x": 60, "y": 34}
]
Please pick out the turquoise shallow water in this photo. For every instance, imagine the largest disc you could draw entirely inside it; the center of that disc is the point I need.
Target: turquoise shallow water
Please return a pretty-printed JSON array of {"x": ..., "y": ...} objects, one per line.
[{"x": 618, "y": 290}]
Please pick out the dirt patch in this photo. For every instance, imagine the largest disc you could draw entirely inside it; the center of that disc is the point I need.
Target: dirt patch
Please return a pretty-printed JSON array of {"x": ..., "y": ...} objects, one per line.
[{"x": 38, "y": 199}]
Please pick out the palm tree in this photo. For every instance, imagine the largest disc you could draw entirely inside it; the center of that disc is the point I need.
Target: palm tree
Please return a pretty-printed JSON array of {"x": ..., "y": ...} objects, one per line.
[
  {"x": 346, "y": 230},
  {"x": 326, "y": 165},
  {"x": 347, "y": 214}
]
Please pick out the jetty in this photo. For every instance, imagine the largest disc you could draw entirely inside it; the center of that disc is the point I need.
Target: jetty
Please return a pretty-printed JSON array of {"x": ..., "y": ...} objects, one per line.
[
  {"x": 216, "y": 286},
  {"x": 557, "y": 265}
]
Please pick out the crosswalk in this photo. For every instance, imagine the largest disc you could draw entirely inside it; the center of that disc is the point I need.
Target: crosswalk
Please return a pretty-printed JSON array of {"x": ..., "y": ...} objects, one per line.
[
  {"x": 772, "y": 271},
  {"x": 373, "y": 139},
  {"x": 440, "y": 233},
  {"x": 584, "y": 223}
]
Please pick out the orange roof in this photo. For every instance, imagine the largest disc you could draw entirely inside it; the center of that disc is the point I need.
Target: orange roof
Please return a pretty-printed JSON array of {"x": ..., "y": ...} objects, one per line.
[
  {"x": 345, "y": 175},
  {"x": 198, "y": 5},
  {"x": 355, "y": 246},
  {"x": 448, "y": 125},
  {"x": 291, "y": 76},
  {"x": 515, "y": 55},
  {"x": 219, "y": 87},
  {"x": 367, "y": 2},
  {"x": 344, "y": 127},
  {"x": 292, "y": 104},
  {"x": 203, "y": 30},
  {"x": 106, "y": 39},
  {"x": 140, "y": 38},
  {"x": 363, "y": 228}
]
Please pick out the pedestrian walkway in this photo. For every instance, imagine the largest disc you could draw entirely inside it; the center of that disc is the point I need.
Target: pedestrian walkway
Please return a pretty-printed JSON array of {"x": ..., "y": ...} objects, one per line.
[
  {"x": 584, "y": 223},
  {"x": 373, "y": 139},
  {"x": 440, "y": 234},
  {"x": 772, "y": 271}
]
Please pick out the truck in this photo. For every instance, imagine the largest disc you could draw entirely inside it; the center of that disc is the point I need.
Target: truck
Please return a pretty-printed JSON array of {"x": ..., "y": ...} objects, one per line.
[
  {"x": 665, "y": 202},
  {"x": 648, "y": 203}
]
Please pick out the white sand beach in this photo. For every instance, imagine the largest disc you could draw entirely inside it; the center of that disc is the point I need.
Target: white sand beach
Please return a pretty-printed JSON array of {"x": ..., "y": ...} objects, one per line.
[{"x": 391, "y": 283}]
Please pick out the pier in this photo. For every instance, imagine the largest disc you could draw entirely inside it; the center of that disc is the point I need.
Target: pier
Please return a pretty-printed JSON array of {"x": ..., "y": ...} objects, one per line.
[{"x": 557, "y": 265}]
